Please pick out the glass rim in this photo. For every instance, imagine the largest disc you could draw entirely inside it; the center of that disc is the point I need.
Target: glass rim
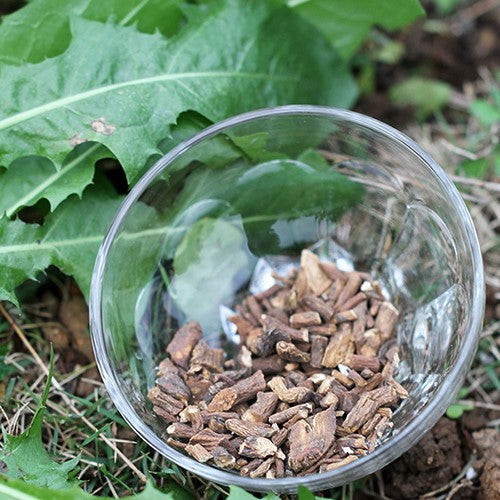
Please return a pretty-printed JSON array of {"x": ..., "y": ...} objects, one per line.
[{"x": 392, "y": 447}]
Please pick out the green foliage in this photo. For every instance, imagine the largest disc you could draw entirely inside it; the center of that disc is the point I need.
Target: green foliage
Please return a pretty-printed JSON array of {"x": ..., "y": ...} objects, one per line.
[
  {"x": 34, "y": 177},
  {"x": 66, "y": 240},
  {"x": 486, "y": 112},
  {"x": 128, "y": 87},
  {"x": 303, "y": 493},
  {"x": 425, "y": 95},
  {"x": 445, "y": 7},
  {"x": 236, "y": 493},
  {"x": 347, "y": 23},
  {"x": 203, "y": 279},
  {"x": 11, "y": 489},
  {"x": 133, "y": 78},
  {"x": 475, "y": 168},
  {"x": 42, "y": 28},
  {"x": 456, "y": 410},
  {"x": 26, "y": 457}
]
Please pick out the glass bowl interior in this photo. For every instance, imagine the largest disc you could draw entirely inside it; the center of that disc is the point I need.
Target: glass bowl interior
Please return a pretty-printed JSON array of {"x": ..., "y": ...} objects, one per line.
[{"x": 217, "y": 215}]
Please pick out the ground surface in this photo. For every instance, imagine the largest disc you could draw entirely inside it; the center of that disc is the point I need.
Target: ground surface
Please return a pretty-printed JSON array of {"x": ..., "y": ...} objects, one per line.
[{"x": 459, "y": 458}]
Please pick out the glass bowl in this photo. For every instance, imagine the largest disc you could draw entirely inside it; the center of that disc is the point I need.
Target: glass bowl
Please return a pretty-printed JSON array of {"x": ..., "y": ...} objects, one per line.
[{"x": 217, "y": 214}]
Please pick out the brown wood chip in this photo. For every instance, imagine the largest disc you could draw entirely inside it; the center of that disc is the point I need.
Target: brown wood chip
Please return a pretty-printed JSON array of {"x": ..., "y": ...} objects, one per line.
[
  {"x": 293, "y": 395},
  {"x": 174, "y": 386},
  {"x": 359, "y": 362},
  {"x": 337, "y": 465},
  {"x": 208, "y": 357},
  {"x": 238, "y": 393},
  {"x": 349, "y": 290},
  {"x": 289, "y": 352},
  {"x": 168, "y": 403},
  {"x": 263, "y": 407},
  {"x": 222, "y": 458},
  {"x": 183, "y": 342},
  {"x": 368, "y": 404},
  {"x": 317, "y": 281},
  {"x": 352, "y": 302},
  {"x": 309, "y": 442},
  {"x": 318, "y": 346},
  {"x": 343, "y": 316},
  {"x": 208, "y": 439},
  {"x": 387, "y": 318},
  {"x": 340, "y": 346},
  {"x": 198, "y": 452},
  {"x": 257, "y": 447},
  {"x": 244, "y": 428},
  {"x": 270, "y": 365},
  {"x": 285, "y": 415},
  {"x": 179, "y": 430},
  {"x": 306, "y": 318},
  {"x": 285, "y": 332},
  {"x": 324, "y": 309},
  {"x": 263, "y": 468}
]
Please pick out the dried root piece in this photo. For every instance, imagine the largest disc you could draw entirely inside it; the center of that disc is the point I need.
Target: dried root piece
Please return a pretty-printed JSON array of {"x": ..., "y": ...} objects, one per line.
[
  {"x": 222, "y": 458},
  {"x": 206, "y": 357},
  {"x": 238, "y": 393},
  {"x": 309, "y": 442},
  {"x": 293, "y": 395},
  {"x": 174, "y": 386},
  {"x": 246, "y": 429},
  {"x": 208, "y": 439},
  {"x": 285, "y": 415},
  {"x": 368, "y": 404},
  {"x": 303, "y": 319},
  {"x": 310, "y": 389},
  {"x": 289, "y": 352},
  {"x": 198, "y": 452},
  {"x": 263, "y": 407},
  {"x": 340, "y": 347},
  {"x": 257, "y": 447},
  {"x": 183, "y": 342},
  {"x": 387, "y": 318}
]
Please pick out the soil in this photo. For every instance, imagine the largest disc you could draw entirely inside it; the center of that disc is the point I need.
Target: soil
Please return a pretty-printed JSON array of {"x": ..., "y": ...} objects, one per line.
[
  {"x": 455, "y": 58},
  {"x": 433, "y": 462}
]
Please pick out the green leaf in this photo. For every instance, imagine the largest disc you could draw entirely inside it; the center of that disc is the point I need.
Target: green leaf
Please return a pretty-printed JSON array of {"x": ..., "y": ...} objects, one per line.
[
  {"x": 305, "y": 494},
  {"x": 237, "y": 493},
  {"x": 425, "y": 95},
  {"x": 347, "y": 23},
  {"x": 270, "y": 199},
  {"x": 32, "y": 178},
  {"x": 41, "y": 29},
  {"x": 219, "y": 152},
  {"x": 486, "y": 112},
  {"x": 26, "y": 457},
  {"x": 202, "y": 279},
  {"x": 67, "y": 240},
  {"x": 445, "y": 7},
  {"x": 11, "y": 489},
  {"x": 475, "y": 168},
  {"x": 456, "y": 410},
  {"x": 125, "y": 89}
]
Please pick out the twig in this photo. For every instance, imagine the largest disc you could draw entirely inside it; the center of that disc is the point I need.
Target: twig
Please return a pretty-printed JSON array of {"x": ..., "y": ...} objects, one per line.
[
  {"x": 469, "y": 14},
  {"x": 453, "y": 481},
  {"x": 63, "y": 395},
  {"x": 490, "y": 186},
  {"x": 479, "y": 404}
]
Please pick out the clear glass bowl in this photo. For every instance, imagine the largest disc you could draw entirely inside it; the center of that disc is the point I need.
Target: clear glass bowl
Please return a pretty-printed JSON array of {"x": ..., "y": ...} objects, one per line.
[{"x": 217, "y": 214}]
